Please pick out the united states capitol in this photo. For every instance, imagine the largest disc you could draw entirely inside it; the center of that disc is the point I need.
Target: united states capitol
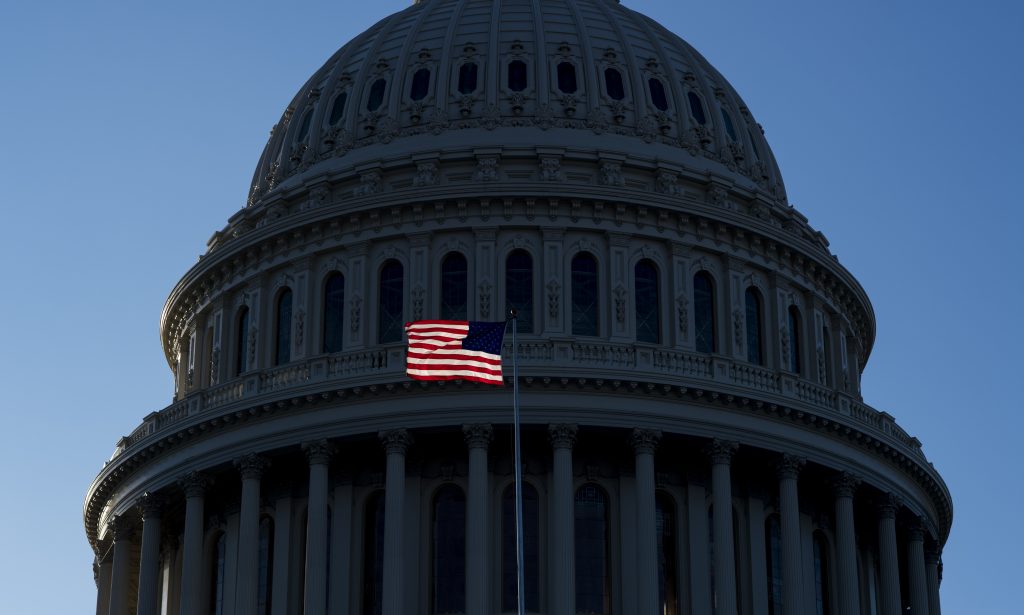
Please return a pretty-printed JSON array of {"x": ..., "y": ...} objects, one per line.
[{"x": 695, "y": 438}]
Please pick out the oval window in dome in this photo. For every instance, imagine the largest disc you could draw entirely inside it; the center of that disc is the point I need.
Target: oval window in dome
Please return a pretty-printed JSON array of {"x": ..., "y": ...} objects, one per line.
[
  {"x": 567, "y": 78},
  {"x": 517, "y": 75},
  {"x": 420, "y": 84},
  {"x": 467, "y": 78},
  {"x": 728, "y": 124},
  {"x": 304, "y": 127},
  {"x": 376, "y": 95},
  {"x": 613, "y": 84},
  {"x": 658, "y": 94},
  {"x": 696, "y": 108},
  {"x": 338, "y": 108}
]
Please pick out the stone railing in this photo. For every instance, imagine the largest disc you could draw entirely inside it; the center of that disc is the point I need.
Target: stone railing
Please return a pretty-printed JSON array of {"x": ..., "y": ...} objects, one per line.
[{"x": 544, "y": 357}]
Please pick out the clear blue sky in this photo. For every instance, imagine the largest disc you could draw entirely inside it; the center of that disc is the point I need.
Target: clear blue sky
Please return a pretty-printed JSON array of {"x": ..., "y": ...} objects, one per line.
[{"x": 130, "y": 133}]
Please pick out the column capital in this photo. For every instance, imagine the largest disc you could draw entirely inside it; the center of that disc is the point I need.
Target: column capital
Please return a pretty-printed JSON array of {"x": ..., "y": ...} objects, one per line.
[
  {"x": 251, "y": 466},
  {"x": 888, "y": 505},
  {"x": 395, "y": 440},
  {"x": 932, "y": 553},
  {"x": 645, "y": 441},
  {"x": 122, "y": 528},
  {"x": 194, "y": 484},
  {"x": 478, "y": 435},
  {"x": 150, "y": 505},
  {"x": 318, "y": 452},
  {"x": 916, "y": 530},
  {"x": 789, "y": 466},
  {"x": 562, "y": 435},
  {"x": 721, "y": 451},
  {"x": 845, "y": 484}
]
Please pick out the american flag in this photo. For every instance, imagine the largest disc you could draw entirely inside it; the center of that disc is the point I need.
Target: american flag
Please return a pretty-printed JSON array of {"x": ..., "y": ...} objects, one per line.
[{"x": 454, "y": 350}]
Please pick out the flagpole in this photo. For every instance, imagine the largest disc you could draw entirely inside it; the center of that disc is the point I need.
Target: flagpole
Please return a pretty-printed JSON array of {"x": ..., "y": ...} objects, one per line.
[{"x": 520, "y": 576}]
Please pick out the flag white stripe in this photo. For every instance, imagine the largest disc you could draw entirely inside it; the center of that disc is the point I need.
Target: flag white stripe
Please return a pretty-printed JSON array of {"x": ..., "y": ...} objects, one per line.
[
  {"x": 453, "y": 372},
  {"x": 455, "y": 351},
  {"x": 485, "y": 365}
]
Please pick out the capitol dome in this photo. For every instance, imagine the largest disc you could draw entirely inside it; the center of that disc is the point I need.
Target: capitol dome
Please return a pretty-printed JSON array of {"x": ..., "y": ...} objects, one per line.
[{"x": 690, "y": 351}]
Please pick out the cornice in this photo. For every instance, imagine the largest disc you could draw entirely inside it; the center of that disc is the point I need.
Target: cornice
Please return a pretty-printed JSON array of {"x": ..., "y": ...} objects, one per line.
[{"x": 837, "y": 427}]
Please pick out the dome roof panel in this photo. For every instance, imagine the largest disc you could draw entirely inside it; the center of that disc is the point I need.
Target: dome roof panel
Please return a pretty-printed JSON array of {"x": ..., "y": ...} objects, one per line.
[{"x": 628, "y": 76}]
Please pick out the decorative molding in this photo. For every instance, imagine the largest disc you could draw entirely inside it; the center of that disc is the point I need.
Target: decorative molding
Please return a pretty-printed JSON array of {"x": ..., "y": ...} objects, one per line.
[
  {"x": 194, "y": 484},
  {"x": 251, "y": 466},
  {"x": 789, "y": 466},
  {"x": 845, "y": 485},
  {"x": 721, "y": 451},
  {"x": 888, "y": 505},
  {"x": 562, "y": 435},
  {"x": 396, "y": 441},
  {"x": 478, "y": 435},
  {"x": 644, "y": 441},
  {"x": 150, "y": 505},
  {"x": 318, "y": 452}
]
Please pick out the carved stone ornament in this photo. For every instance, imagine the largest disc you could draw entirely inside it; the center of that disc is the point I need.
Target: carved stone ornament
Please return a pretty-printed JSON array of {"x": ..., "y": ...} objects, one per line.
[
  {"x": 645, "y": 441},
  {"x": 417, "y": 303},
  {"x": 318, "y": 196},
  {"x": 784, "y": 343},
  {"x": 597, "y": 121},
  {"x": 150, "y": 505},
  {"x": 215, "y": 366},
  {"x": 820, "y": 352},
  {"x": 395, "y": 441},
  {"x": 478, "y": 435},
  {"x": 253, "y": 336},
  {"x": 620, "y": 304},
  {"x": 550, "y": 169},
  {"x": 122, "y": 528},
  {"x": 845, "y": 485},
  {"x": 721, "y": 451},
  {"x": 789, "y": 466},
  {"x": 194, "y": 484},
  {"x": 491, "y": 117},
  {"x": 737, "y": 327},
  {"x": 717, "y": 196},
  {"x": 318, "y": 452},
  {"x": 682, "y": 305},
  {"x": 426, "y": 174},
  {"x": 562, "y": 435},
  {"x": 369, "y": 183},
  {"x": 888, "y": 505},
  {"x": 300, "y": 326},
  {"x": 355, "y": 311},
  {"x": 611, "y": 174},
  {"x": 485, "y": 299},
  {"x": 668, "y": 183},
  {"x": 553, "y": 291},
  {"x": 486, "y": 169},
  {"x": 251, "y": 466}
]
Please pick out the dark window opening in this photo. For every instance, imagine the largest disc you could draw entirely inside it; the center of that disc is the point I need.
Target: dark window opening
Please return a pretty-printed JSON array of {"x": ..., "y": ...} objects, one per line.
[
  {"x": 704, "y": 312},
  {"x": 697, "y": 108},
  {"x": 648, "y": 327},
  {"x": 794, "y": 339},
  {"x": 334, "y": 313},
  {"x": 658, "y": 94},
  {"x": 467, "y": 78},
  {"x": 592, "y": 570},
  {"x": 567, "y": 78},
  {"x": 242, "y": 342},
  {"x": 376, "y": 98},
  {"x": 613, "y": 84},
  {"x": 454, "y": 287},
  {"x": 390, "y": 321},
  {"x": 531, "y": 549},
  {"x": 517, "y": 75},
  {"x": 728, "y": 124},
  {"x": 420, "y": 84},
  {"x": 755, "y": 329},
  {"x": 519, "y": 288},
  {"x": 283, "y": 343},
  {"x": 584, "y": 295},
  {"x": 338, "y": 108},
  {"x": 304, "y": 127}
]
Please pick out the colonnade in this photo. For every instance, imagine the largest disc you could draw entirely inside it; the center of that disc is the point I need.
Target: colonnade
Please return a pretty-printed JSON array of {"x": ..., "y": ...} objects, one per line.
[{"x": 116, "y": 577}]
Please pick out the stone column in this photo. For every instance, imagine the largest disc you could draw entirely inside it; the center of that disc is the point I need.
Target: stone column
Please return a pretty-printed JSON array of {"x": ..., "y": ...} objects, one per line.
[
  {"x": 120, "y": 574},
  {"x": 932, "y": 562},
  {"x": 916, "y": 569},
  {"x": 102, "y": 574},
  {"x": 645, "y": 443},
  {"x": 478, "y": 438},
  {"x": 721, "y": 452},
  {"x": 396, "y": 443},
  {"x": 247, "y": 584},
  {"x": 149, "y": 562},
  {"x": 844, "y": 486},
  {"x": 789, "y": 513},
  {"x": 195, "y": 485},
  {"x": 888, "y": 556},
  {"x": 315, "y": 590},
  {"x": 563, "y": 552}
]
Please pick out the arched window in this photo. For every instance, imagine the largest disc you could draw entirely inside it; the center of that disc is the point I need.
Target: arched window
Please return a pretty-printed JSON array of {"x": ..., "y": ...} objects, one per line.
[
  {"x": 217, "y": 563},
  {"x": 338, "y": 108},
  {"x": 334, "y": 312},
  {"x": 826, "y": 352},
  {"x": 773, "y": 561},
  {"x": 373, "y": 554},
  {"x": 376, "y": 98},
  {"x": 265, "y": 577},
  {"x": 794, "y": 339},
  {"x": 727, "y": 119},
  {"x": 517, "y": 75},
  {"x": 283, "y": 338},
  {"x": 449, "y": 548},
  {"x": 648, "y": 327},
  {"x": 454, "y": 291},
  {"x": 591, "y": 529},
  {"x": 467, "y": 78},
  {"x": 389, "y": 326},
  {"x": 420, "y": 84},
  {"x": 242, "y": 341},
  {"x": 658, "y": 94},
  {"x": 696, "y": 108},
  {"x": 704, "y": 312},
  {"x": 665, "y": 524},
  {"x": 822, "y": 604},
  {"x": 755, "y": 327},
  {"x": 584, "y": 294},
  {"x": 613, "y": 84},
  {"x": 519, "y": 288},
  {"x": 531, "y": 549},
  {"x": 567, "y": 77},
  {"x": 304, "y": 127}
]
